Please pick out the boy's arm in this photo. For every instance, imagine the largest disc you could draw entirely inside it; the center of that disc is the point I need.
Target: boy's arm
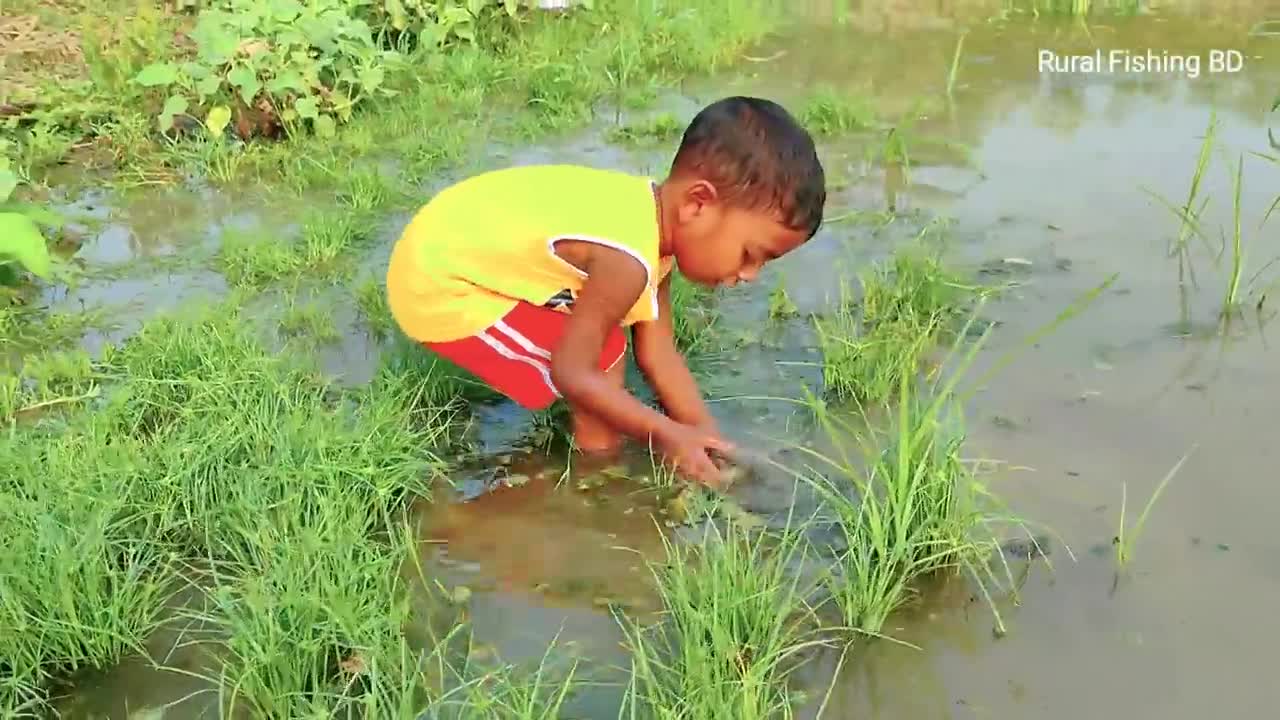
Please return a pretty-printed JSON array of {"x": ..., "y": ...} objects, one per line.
[
  {"x": 665, "y": 369},
  {"x": 614, "y": 282}
]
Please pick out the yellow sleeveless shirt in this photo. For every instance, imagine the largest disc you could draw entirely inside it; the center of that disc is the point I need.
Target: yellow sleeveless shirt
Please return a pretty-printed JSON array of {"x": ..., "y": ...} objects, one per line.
[{"x": 481, "y": 246}]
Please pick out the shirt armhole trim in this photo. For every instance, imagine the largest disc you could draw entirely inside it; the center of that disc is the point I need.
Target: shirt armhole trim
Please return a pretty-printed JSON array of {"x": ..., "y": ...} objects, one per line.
[{"x": 649, "y": 274}]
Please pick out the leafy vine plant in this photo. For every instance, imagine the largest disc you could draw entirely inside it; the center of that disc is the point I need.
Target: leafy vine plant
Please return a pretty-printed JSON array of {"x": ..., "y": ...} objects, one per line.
[
  {"x": 22, "y": 230},
  {"x": 262, "y": 65}
]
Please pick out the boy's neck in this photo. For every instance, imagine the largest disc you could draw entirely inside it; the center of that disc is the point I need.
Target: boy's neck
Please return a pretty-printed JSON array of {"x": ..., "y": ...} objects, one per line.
[{"x": 666, "y": 208}]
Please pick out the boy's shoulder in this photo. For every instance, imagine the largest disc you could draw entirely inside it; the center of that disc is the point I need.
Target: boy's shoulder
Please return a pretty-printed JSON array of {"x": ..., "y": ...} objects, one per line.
[{"x": 547, "y": 179}]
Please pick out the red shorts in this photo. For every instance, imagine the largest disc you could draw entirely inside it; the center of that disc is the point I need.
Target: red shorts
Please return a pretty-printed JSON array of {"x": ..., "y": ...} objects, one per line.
[{"x": 513, "y": 356}]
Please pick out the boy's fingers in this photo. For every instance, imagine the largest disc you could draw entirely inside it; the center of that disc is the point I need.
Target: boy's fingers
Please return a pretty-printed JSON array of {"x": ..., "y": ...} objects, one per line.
[{"x": 719, "y": 443}]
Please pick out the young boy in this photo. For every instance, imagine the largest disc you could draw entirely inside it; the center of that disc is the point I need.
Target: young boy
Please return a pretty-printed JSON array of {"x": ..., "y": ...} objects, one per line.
[{"x": 528, "y": 276}]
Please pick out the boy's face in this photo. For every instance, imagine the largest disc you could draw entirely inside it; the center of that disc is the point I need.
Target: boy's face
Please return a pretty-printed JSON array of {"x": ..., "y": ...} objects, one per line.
[{"x": 719, "y": 244}]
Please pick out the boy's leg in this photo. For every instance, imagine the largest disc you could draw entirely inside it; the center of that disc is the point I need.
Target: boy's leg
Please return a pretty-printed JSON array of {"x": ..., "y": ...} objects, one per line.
[{"x": 513, "y": 356}]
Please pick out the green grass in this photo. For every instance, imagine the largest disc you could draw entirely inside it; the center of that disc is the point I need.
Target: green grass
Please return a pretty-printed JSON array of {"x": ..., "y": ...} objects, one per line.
[
  {"x": 1075, "y": 8},
  {"x": 1189, "y": 213},
  {"x": 312, "y": 322},
  {"x": 371, "y": 302},
  {"x": 208, "y": 449},
  {"x": 212, "y": 460},
  {"x": 660, "y": 128},
  {"x": 827, "y": 112},
  {"x": 735, "y": 625},
  {"x": 550, "y": 72},
  {"x": 781, "y": 305},
  {"x": 907, "y": 505},
  {"x": 28, "y": 328},
  {"x": 868, "y": 345},
  {"x": 326, "y": 248},
  {"x": 693, "y": 315}
]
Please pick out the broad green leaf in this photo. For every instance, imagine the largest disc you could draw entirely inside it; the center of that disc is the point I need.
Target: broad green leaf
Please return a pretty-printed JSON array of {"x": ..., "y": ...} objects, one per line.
[
  {"x": 307, "y": 108},
  {"x": 40, "y": 215},
  {"x": 243, "y": 77},
  {"x": 399, "y": 18},
  {"x": 175, "y": 105},
  {"x": 325, "y": 126},
  {"x": 215, "y": 43},
  {"x": 157, "y": 75},
  {"x": 22, "y": 241},
  {"x": 208, "y": 86},
  {"x": 287, "y": 80},
  {"x": 475, "y": 7},
  {"x": 285, "y": 10},
  {"x": 196, "y": 71},
  {"x": 217, "y": 120},
  {"x": 454, "y": 14},
  {"x": 371, "y": 78}
]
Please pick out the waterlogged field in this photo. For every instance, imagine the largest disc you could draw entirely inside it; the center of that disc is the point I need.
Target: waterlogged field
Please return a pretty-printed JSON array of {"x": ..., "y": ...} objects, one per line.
[{"x": 1011, "y": 411}]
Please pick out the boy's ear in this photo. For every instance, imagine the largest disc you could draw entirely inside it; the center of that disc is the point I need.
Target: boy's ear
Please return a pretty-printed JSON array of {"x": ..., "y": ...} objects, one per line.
[{"x": 698, "y": 195}]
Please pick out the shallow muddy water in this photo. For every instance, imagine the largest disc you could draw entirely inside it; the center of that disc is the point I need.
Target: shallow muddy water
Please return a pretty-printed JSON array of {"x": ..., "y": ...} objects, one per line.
[{"x": 1060, "y": 168}]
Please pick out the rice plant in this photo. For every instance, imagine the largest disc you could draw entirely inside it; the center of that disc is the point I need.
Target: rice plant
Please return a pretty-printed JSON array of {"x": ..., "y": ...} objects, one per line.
[
  {"x": 735, "y": 626},
  {"x": 907, "y": 507},
  {"x": 1125, "y": 539},
  {"x": 1190, "y": 213},
  {"x": 907, "y": 305}
]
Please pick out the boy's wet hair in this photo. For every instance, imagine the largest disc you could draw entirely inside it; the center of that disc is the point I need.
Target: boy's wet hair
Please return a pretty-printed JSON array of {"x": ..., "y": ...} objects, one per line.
[{"x": 757, "y": 156}]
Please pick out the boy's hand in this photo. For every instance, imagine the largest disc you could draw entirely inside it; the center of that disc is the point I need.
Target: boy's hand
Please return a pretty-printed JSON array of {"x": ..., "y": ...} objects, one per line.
[{"x": 687, "y": 446}]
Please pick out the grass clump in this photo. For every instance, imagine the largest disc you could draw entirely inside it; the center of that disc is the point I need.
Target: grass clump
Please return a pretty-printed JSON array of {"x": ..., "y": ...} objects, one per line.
[
  {"x": 208, "y": 450},
  {"x": 311, "y": 321},
  {"x": 326, "y": 248},
  {"x": 735, "y": 626},
  {"x": 828, "y": 112},
  {"x": 656, "y": 129},
  {"x": 908, "y": 507},
  {"x": 82, "y": 583},
  {"x": 371, "y": 302},
  {"x": 781, "y": 306},
  {"x": 692, "y": 315},
  {"x": 907, "y": 305}
]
